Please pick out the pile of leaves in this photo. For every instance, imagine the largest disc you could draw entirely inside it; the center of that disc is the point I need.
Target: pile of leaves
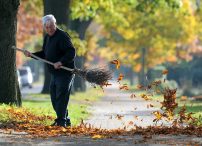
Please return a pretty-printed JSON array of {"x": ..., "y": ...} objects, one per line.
[
  {"x": 22, "y": 115},
  {"x": 40, "y": 130}
]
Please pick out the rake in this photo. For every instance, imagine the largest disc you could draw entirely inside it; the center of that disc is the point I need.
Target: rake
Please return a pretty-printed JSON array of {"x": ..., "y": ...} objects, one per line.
[{"x": 96, "y": 76}]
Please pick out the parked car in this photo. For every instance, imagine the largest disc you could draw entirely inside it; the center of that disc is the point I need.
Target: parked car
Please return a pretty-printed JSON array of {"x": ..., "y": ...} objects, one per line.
[{"x": 26, "y": 76}]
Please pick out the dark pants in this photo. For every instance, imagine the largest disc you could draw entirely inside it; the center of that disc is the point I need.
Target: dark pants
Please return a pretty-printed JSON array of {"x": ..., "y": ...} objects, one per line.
[{"x": 60, "y": 88}]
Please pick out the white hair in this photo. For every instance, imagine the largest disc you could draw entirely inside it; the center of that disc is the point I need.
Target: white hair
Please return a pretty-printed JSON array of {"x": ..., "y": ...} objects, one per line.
[{"x": 48, "y": 18}]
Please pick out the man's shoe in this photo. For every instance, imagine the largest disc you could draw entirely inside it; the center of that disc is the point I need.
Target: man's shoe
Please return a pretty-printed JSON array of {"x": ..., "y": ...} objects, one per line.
[{"x": 68, "y": 124}]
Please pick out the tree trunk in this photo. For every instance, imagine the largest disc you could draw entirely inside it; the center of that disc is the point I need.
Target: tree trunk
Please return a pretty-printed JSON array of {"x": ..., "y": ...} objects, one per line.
[
  {"x": 60, "y": 9},
  {"x": 80, "y": 27},
  {"x": 142, "y": 76},
  {"x": 131, "y": 76},
  {"x": 9, "y": 87}
]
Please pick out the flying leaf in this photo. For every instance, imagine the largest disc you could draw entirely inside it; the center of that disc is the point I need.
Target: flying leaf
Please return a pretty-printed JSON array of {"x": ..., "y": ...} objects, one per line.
[
  {"x": 130, "y": 123},
  {"x": 164, "y": 72},
  {"x": 169, "y": 115},
  {"x": 140, "y": 86},
  {"x": 145, "y": 97},
  {"x": 132, "y": 95},
  {"x": 116, "y": 62},
  {"x": 158, "y": 116},
  {"x": 119, "y": 117},
  {"x": 120, "y": 77},
  {"x": 136, "y": 117},
  {"x": 107, "y": 84},
  {"x": 124, "y": 87}
]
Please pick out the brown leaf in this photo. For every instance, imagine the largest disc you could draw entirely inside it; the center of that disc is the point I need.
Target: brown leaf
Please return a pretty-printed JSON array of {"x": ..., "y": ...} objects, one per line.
[
  {"x": 124, "y": 87},
  {"x": 120, "y": 77},
  {"x": 132, "y": 95},
  {"x": 119, "y": 117},
  {"x": 116, "y": 62},
  {"x": 164, "y": 72}
]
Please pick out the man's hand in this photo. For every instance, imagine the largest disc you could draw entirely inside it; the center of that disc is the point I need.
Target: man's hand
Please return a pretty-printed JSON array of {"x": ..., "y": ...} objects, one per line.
[
  {"x": 27, "y": 53},
  {"x": 57, "y": 65}
]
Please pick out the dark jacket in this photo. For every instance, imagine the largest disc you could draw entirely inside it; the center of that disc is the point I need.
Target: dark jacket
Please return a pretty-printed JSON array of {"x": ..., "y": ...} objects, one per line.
[{"x": 58, "y": 48}]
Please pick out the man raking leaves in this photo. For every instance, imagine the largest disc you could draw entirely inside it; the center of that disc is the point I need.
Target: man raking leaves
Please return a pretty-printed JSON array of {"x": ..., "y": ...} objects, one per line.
[{"x": 59, "y": 54}]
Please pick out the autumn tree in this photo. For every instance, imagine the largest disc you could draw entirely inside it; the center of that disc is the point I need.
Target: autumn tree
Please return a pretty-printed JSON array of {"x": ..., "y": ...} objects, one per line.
[
  {"x": 150, "y": 32},
  {"x": 29, "y": 26},
  {"x": 9, "y": 87}
]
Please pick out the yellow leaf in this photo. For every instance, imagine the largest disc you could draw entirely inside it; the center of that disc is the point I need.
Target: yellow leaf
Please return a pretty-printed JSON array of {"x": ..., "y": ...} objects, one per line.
[
  {"x": 63, "y": 129},
  {"x": 158, "y": 115}
]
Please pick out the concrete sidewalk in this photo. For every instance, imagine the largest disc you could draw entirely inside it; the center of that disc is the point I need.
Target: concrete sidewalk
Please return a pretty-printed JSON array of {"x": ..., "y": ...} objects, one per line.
[{"x": 132, "y": 111}]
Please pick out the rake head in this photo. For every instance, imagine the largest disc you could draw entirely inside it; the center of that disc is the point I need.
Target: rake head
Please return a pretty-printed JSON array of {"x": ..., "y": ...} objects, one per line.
[{"x": 95, "y": 76}]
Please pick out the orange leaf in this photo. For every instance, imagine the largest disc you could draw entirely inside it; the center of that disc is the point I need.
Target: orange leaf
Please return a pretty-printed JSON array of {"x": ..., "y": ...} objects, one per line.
[
  {"x": 151, "y": 105},
  {"x": 116, "y": 62},
  {"x": 107, "y": 84},
  {"x": 119, "y": 117},
  {"x": 130, "y": 123},
  {"x": 97, "y": 136},
  {"x": 120, "y": 77},
  {"x": 140, "y": 86},
  {"x": 164, "y": 72},
  {"x": 124, "y": 87},
  {"x": 136, "y": 117}
]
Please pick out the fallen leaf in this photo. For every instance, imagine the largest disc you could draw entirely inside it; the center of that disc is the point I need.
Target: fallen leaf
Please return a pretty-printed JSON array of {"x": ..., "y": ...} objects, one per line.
[{"x": 97, "y": 136}]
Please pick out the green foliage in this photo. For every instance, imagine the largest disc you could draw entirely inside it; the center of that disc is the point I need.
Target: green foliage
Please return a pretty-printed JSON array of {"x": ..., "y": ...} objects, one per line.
[
  {"x": 34, "y": 7},
  {"x": 151, "y": 6},
  {"x": 85, "y": 9},
  {"x": 160, "y": 33}
]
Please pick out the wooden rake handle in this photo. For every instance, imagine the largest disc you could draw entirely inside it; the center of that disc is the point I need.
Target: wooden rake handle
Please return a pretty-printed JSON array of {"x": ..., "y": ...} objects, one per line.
[{"x": 43, "y": 60}]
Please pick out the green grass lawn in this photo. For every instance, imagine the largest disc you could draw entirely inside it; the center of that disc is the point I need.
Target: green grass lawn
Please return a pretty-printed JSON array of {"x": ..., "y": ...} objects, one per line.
[
  {"x": 40, "y": 105},
  {"x": 192, "y": 106}
]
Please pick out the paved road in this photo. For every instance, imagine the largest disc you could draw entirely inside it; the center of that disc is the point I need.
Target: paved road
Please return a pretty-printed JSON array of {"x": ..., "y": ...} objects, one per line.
[{"x": 35, "y": 89}]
